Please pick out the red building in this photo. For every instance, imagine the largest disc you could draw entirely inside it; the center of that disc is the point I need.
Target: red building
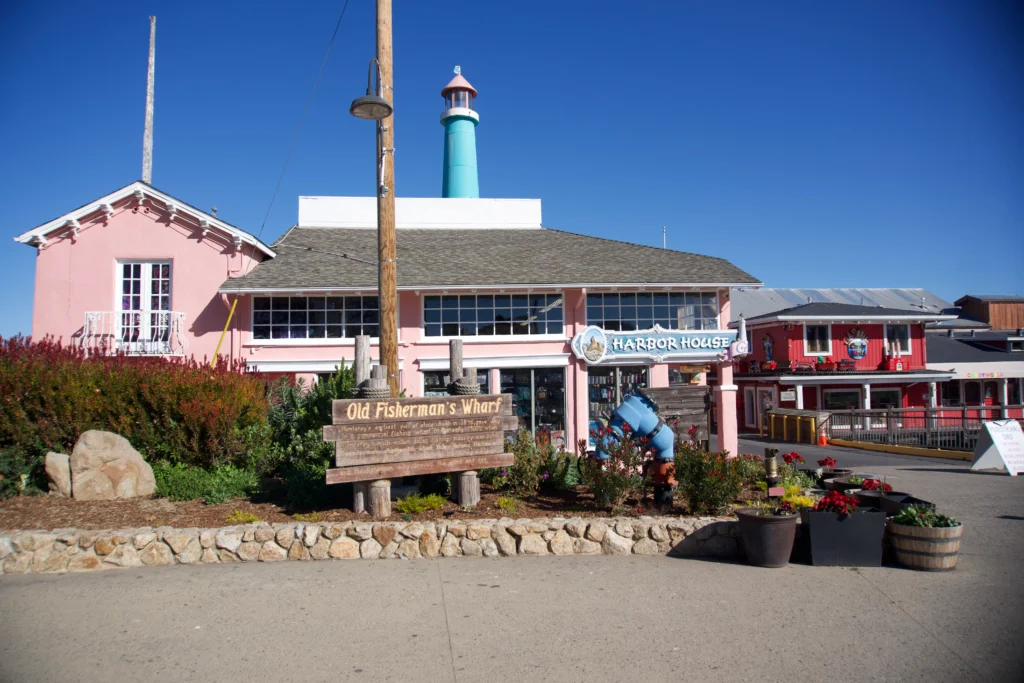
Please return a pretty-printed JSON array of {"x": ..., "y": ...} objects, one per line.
[{"x": 835, "y": 356}]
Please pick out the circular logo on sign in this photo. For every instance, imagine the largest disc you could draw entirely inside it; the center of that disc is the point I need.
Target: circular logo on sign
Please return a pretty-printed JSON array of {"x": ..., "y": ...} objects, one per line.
[
  {"x": 593, "y": 344},
  {"x": 856, "y": 344}
]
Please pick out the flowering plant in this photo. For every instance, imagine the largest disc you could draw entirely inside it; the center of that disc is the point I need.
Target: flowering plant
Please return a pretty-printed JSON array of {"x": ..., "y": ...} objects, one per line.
[
  {"x": 620, "y": 476},
  {"x": 792, "y": 457},
  {"x": 827, "y": 463},
  {"x": 770, "y": 365},
  {"x": 875, "y": 485},
  {"x": 836, "y": 501},
  {"x": 923, "y": 517}
]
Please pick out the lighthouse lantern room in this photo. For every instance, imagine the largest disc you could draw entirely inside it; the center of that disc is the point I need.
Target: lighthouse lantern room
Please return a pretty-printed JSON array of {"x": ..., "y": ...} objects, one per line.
[{"x": 459, "y": 120}]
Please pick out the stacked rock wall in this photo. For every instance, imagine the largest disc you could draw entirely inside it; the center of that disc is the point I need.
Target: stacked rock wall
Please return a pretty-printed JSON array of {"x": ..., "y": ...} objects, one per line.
[{"x": 70, "y": 550}]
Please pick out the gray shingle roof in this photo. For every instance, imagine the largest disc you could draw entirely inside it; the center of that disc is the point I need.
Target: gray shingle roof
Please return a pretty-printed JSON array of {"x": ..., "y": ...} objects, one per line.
[
  {"x": 828, "y": 309},
  {"x": 943, "y": 349},
  {"x": 314, "y": 258}
]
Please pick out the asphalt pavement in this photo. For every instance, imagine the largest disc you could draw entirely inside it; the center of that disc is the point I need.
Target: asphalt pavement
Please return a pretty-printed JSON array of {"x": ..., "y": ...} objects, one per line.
[{"x": 547, "y": 618}]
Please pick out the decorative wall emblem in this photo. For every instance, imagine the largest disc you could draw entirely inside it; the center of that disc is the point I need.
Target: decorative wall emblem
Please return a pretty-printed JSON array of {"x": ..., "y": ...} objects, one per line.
[
  {"x": 856, "y": 343},
  {"x": 767, "y": 343},
  {"x": 593, "y": 344}
]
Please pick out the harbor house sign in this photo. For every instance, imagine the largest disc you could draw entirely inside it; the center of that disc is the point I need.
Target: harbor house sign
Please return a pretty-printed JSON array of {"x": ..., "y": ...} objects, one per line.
[{"x": 595, "y": 345}]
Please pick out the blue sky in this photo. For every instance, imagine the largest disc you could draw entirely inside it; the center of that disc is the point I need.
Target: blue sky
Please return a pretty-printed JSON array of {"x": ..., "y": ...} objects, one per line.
[{"x": 857, "y": 144}]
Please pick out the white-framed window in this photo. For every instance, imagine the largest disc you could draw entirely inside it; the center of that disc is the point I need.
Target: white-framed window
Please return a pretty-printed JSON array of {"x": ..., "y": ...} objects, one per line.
[
  {"x": 144, "y": 304},
  {"x": 817, "y": 340},
  {"x": 632, "y": 311},
  {"x": 897, "y": 338},
  {"x": 485, "y": 315},
  {"x": 314, "y": 317}
]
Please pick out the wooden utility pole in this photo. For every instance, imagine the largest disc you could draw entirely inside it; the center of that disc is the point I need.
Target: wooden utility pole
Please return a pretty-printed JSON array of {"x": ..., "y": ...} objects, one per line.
[
  {"x": 147, "y": 134},
  {"x": 387, "y": 281}
]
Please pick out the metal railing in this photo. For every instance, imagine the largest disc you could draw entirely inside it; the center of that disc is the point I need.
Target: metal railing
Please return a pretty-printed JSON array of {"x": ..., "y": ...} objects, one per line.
[
  {"x": 948, "y": 428},
  {"x": 136, "y": 333}
]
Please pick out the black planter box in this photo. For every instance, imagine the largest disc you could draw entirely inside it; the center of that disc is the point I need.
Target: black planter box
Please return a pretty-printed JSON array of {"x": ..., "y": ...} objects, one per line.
[{"x": 853, "y": 540}]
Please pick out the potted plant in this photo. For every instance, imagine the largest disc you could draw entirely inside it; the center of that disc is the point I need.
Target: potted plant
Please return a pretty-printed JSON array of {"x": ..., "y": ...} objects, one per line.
[
  {"x": 792, "y": 458},
  {"x": 829, "y": 469},
  {"x": 843, "y": 535},
  {"x": 825, "y": 363},
  {"x": 922, "y": 539},
  {"x": 768, "y": 533},
  {"x": 769, "y": 365}
]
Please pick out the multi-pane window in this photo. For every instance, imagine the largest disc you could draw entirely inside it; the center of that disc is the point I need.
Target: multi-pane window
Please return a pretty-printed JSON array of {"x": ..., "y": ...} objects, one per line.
[
  {"x": 897, "y": 338},
  {"x": 145, "y": 302},
  {"x": 314, "y": 317},
  {"x": 817, "y": 340},
  {"x": 471, "y": 315},
  {"x": 628, "y": 312}
]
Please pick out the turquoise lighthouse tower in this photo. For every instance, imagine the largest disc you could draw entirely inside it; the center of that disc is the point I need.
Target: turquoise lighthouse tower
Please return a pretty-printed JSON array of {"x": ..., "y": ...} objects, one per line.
[{"x": 459, "y": 121}]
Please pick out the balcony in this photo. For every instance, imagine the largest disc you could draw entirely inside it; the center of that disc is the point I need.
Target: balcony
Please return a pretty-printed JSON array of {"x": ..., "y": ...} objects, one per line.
[{"x": 136, "y": 333}]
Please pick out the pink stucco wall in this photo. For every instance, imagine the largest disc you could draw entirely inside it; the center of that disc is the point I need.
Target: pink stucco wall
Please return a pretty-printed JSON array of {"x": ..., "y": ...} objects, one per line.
[{"x": 75, "y": 274}]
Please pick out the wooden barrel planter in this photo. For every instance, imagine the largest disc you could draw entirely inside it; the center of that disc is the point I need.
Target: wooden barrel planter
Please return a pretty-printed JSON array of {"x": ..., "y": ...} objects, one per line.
[{"x": 926, "y": 549}]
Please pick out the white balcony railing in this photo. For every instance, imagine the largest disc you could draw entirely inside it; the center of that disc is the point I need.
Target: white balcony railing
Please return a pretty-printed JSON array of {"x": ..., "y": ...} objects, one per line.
[{"x": 137, "y": 333}]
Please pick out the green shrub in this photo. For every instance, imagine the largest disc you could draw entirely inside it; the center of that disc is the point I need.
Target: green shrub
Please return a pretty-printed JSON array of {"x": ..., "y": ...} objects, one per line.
[
  {"x": 213, "y": 486},
  {"x": 619, "y": 477},
  {"x": 708, "y": 481},
  {"x": 923, "y": 517},
  {"x": 241, "y": 517},
  {"x": 178, "y": 410},
  {"x": 495, "y": 476},
  {"x": 415, "y": 503},
  {"x": 306, "y": 486},
  {"x": 15, "y": 473},
  {"x": 507, "y": 504},
  {"x": 559, "y": 469},
  {"x": 524, "y": 475},
  {"x": 750, "y": 469}
]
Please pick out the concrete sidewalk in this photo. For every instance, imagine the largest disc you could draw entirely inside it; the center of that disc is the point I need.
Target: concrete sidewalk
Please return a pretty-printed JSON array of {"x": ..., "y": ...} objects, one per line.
[{"x": 542, "y": 619}]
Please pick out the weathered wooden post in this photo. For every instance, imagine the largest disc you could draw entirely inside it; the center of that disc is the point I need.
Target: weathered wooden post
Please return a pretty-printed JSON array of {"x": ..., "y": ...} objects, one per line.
[
  {"x": 361, "y": 370},
  {"x": 469, "y": 488},
  {"x": 380, "y": 497},
  {"x": 361, "y": 367},
  {"x": 454, "y": 360}
]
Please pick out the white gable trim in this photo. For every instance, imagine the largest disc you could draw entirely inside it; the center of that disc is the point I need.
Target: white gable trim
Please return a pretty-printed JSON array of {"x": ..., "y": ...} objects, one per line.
[{"x": 139, "y": 189}]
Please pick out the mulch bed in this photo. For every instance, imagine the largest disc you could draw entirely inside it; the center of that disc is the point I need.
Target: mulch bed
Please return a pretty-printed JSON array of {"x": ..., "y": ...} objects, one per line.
[{"x": 54, "y": 512}]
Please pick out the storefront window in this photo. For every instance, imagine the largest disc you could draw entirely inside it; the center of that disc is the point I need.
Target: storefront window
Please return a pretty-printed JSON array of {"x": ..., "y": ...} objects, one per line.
[
  {"x": 1013, "y": 391},
  {"x": 314, "y": 317},
  {"x": 538, "y": 400},
  {"x": 471, "y": 315},
  {"x": 972, "y": 393},
  {"x": 949, "y": 394},
  {"x": 607, "y": 387},
  {"x": 841, "y": 399},
  {"x": 435, "y": 383},
  {"x": 885, "y": 398},
  {"x": 643, "y": 310}
]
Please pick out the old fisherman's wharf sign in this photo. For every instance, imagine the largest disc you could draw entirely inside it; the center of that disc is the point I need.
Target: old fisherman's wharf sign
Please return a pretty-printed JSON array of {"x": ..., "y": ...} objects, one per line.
[
  {"x": 403, "y": 437},
  {"x": 595, "y": 345}
]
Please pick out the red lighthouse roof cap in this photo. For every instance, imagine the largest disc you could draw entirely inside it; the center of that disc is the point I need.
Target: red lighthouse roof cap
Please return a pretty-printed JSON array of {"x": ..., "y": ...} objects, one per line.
[{"x": 458, "y": 83}]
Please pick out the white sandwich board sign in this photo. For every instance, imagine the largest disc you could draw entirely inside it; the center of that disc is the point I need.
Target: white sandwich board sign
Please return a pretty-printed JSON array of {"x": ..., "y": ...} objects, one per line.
[{"x": 1000, "y": 446}]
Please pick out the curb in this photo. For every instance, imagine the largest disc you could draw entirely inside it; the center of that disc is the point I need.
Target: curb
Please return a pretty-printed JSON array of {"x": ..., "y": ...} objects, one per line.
[{"x": 904, "y": 450}]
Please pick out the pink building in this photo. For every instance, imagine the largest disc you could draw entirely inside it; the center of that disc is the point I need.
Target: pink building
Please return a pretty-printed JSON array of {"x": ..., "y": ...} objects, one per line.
[{"x": 143, "y": 272}]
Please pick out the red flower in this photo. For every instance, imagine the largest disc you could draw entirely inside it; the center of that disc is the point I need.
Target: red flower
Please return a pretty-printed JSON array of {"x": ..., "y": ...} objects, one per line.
[
  {"x": 827, "y": 462},
  {"x": 838, "y": 502},
  {"x": 790, "y": 458},
  {"x": 875, "y": 485}
]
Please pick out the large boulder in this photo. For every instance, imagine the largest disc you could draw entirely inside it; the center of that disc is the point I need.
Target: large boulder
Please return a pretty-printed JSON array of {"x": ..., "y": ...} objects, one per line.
[
  {"x": 104, "y": 466},
  {"x": 58, "y": 469}
]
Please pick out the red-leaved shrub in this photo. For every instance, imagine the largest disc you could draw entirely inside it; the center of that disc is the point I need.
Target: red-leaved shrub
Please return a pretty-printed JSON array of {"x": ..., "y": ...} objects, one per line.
[{"x": 179, "y": 410}]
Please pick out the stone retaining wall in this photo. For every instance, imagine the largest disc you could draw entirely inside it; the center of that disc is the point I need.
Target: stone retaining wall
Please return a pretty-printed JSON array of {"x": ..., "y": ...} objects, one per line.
[{"x": 70, "y": 550}]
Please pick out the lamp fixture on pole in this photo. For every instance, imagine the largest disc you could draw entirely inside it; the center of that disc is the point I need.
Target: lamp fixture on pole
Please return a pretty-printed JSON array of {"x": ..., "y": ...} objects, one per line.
[{"x": 372, "y": 106}]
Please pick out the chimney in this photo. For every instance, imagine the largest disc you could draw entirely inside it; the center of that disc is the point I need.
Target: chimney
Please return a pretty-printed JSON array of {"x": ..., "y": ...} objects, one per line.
[
  {"x": 972, "y": 332},
  {"x": 949, "y": 333}
]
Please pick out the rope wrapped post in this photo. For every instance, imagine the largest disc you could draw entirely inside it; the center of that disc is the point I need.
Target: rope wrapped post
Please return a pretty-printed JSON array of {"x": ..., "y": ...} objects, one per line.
[{"x": 380, "y": 499}]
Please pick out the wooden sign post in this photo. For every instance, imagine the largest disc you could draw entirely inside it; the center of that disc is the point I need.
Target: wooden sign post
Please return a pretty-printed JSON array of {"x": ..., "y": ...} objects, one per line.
[{"x": 401, "y": 437}]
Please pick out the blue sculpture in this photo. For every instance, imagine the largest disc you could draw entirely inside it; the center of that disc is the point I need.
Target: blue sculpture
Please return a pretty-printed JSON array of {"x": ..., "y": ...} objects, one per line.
[{"x": 640, "y": 412}]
